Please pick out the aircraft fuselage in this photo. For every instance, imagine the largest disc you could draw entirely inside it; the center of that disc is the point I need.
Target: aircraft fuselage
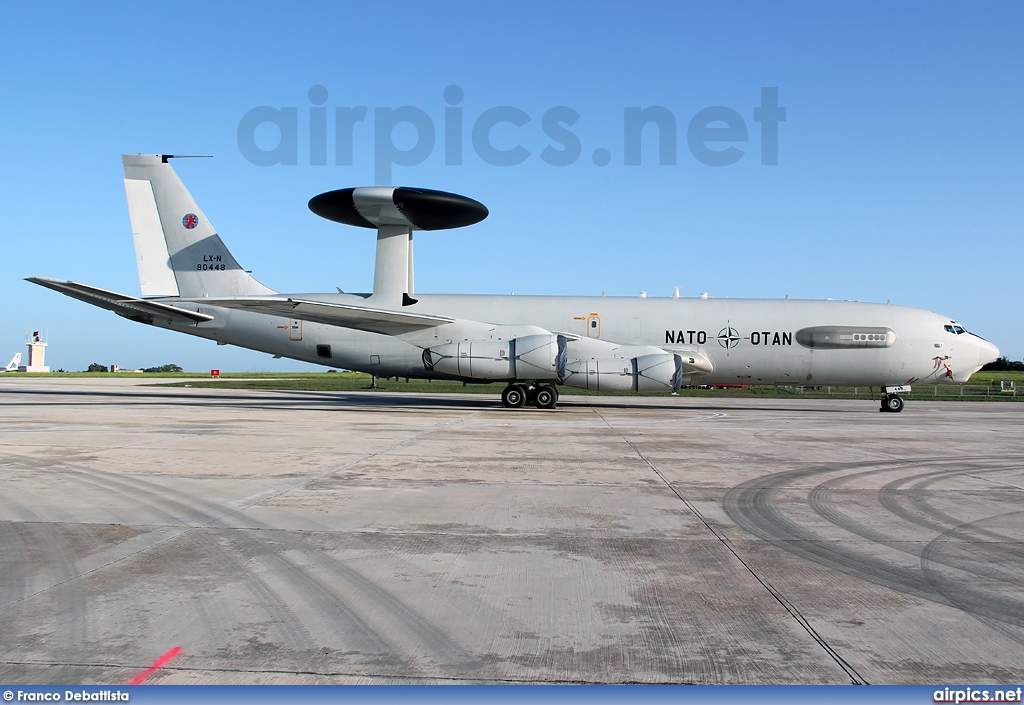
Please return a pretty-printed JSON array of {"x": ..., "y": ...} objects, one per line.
[{"x": 750, "y": 341}]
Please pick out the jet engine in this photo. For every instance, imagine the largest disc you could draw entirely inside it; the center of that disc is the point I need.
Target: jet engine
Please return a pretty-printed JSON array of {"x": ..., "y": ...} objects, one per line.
[
  {"x": 660, "y": 372},
  {"x": 487, "y": 360},
  {"x": 545, "y": 357},
  {"x": 528, "y": 357},
  {"x": 538, "y": 356}
]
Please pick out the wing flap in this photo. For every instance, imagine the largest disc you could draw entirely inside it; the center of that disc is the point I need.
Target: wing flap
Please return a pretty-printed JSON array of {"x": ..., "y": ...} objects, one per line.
[{"x": 128, "y": 306}]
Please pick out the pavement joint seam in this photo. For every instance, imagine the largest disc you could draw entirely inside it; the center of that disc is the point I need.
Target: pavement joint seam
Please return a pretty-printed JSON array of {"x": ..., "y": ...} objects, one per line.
[
  {"x": 855, "y": 677},
  {"x": 348, "y": 674}
]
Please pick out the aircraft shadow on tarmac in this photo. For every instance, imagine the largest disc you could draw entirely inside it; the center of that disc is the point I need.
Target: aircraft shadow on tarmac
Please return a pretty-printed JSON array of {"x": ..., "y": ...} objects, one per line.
[{"x": 384, "y": 401}]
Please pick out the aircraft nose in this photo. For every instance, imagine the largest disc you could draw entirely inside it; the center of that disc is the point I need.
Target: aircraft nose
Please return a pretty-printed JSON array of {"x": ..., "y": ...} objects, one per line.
[
  {"x": 987, "y": 352},
  {"x": 964, "y": 366}
]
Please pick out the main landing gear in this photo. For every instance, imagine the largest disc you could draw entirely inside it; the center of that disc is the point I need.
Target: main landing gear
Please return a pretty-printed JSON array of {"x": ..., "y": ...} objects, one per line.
[
  {"x": 543, "y": 396},
  {"x": 892, "y": 403}
]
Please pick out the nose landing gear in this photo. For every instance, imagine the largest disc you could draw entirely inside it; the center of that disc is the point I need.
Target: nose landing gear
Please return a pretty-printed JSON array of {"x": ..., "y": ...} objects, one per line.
[{"x": 892, "y": 403}]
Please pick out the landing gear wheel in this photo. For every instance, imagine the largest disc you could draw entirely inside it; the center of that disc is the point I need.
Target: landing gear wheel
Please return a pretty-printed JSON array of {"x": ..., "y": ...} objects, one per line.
[
  {"x": 545, "y": 397},
  {"x": 513, "y": 396},
  {"x": 894, "y": 402}
]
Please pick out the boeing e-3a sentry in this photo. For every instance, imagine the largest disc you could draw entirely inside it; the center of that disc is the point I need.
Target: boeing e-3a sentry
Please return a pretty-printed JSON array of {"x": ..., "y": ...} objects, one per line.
[{"x": 191, "y": 283}]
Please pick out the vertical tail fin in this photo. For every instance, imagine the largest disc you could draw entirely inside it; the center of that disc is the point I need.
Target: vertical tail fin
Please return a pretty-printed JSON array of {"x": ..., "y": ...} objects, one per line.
[
  {"x": 13, "y": 364},
  {"x": 177, "y": 250}
]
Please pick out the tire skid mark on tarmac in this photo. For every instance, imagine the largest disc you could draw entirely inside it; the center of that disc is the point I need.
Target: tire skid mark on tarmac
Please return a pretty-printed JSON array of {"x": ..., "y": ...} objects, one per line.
[
  {"x": 160, "y": 500},
  {"x": 919, "y": 498},
  {"x": 435, "y": 640},
  {"x": 292, "y": 629},
  {"x": 824, "y": 501},
  {"x": 895, "y": 497},
  {"x": 314, "y": 592},
  {"x": 755, "y": 507},
  {"x": 320, "y": 598},
  {"x": 699, "y": 655},
  {"x": 1011, "y": 612},
  {"x": 324, "y": 602}
]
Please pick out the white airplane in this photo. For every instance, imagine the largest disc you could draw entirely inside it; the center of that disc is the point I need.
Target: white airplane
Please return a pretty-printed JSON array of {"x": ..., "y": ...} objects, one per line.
[
  {"x": 191, "y": 283},
  {"x": 12, "y": 366}
]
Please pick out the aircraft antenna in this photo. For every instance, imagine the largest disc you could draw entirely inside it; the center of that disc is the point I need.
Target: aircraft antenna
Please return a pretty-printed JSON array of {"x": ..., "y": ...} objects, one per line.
[{"x": 165, "y": 157}]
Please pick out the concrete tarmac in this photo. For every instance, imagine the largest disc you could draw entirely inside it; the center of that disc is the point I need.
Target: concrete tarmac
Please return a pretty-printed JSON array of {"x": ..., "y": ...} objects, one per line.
[{"x": 309, "y": 537}]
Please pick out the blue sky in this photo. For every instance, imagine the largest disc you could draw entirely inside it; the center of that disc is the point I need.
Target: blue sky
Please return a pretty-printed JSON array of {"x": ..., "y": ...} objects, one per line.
[{"x": 900, "y": 163}]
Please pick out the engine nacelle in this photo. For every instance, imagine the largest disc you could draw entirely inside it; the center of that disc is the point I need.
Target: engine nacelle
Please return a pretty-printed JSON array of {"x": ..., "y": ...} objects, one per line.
[
  {"x": 536, "y": 357},
  {"x": 489, "y": 360},
  {"x": 659, "y": 373},
  {"x": 614, "y": 375},
  {"x": 662, "y": 372},
  {"x": 545, "y": 357},
  {"x": 528, "y": 357}
]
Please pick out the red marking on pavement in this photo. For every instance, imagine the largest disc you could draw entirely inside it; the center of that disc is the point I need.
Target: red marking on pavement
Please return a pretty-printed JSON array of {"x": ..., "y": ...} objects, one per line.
[{"x": 137, "y": 680}]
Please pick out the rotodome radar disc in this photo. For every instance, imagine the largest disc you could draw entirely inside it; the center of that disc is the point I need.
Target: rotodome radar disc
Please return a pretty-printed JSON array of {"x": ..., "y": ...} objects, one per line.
[{"x": 418, "y": 208}]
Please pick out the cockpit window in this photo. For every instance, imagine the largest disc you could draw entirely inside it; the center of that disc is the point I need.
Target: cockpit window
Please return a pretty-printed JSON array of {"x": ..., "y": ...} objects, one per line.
[
  {"x": 949, "y": 329},
  {"x": 958, "y": 330}
]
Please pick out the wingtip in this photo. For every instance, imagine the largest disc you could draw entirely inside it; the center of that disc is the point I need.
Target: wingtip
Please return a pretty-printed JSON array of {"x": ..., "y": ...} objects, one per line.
[{"x": 45, "y": 280}]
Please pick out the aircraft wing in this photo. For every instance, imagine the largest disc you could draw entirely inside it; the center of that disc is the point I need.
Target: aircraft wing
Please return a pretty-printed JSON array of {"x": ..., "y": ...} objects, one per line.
[
  {"x": 373, "y": 320},
  {"x": 143, "y": 310}
]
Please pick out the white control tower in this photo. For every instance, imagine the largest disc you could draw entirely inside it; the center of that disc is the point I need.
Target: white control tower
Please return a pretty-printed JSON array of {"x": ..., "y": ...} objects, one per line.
[{"x": 36, "y": 355}]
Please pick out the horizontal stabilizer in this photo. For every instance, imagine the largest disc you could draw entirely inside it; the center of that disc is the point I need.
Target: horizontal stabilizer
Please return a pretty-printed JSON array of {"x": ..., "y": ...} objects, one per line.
[
  {"x": 131, "y": 307},
  {"x": 373, "y": 320}
]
